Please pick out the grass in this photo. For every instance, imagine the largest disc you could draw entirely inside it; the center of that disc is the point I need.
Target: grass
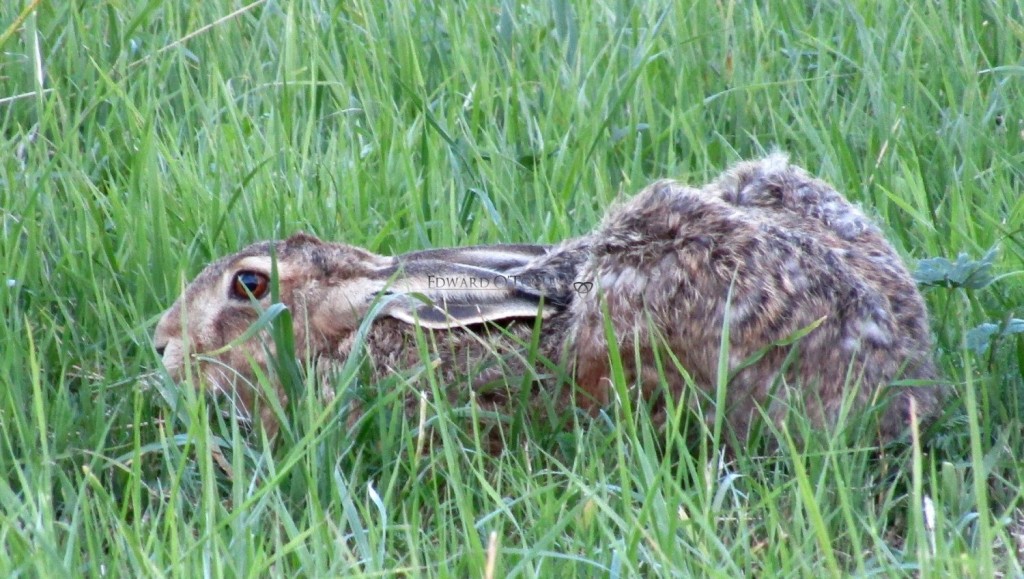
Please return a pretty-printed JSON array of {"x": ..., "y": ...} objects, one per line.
[{"x": 141, "y": 140}]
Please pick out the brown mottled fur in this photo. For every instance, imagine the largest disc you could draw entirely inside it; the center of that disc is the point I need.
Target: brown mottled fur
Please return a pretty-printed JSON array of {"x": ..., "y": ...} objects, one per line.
[{"x": 792, "y": 253}]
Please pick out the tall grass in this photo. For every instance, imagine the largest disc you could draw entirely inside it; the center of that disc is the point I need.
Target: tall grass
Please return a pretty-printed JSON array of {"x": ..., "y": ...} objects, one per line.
[{"x": 140, "y": 140}]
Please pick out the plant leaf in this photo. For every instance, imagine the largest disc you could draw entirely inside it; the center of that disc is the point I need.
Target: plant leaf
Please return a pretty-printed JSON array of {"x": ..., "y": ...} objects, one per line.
[
  {"x": 964, "y": 272},
  {"x": 980, "y": 337}
]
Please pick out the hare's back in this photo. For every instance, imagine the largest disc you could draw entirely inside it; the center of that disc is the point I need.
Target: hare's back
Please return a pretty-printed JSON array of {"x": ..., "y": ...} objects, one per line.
[
  {"x": 672, "y": 261},
  {"x": 775, "y": 192},
  {"x": 683, "y": 255}
]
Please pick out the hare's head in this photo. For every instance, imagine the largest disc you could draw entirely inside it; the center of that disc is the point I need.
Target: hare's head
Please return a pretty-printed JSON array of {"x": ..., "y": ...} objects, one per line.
[
  {"x": 326, "y": 286},
  {"x": 329, "y": 289}
]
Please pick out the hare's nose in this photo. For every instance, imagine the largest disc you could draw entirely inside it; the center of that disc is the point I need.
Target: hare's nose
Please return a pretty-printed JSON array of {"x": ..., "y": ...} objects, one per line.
[{"x": 160, "y": 350}]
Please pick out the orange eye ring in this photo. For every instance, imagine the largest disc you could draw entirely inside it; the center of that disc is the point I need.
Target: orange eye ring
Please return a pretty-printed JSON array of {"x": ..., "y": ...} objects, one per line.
[{"x": 250, "y": 283}]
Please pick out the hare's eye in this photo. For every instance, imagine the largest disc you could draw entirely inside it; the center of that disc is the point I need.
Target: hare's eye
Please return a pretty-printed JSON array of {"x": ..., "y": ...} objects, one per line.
[{"x": 248, "y": 283}]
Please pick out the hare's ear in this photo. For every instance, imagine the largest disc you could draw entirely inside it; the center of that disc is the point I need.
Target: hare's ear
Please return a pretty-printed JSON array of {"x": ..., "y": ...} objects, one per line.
[
  {"x": 441, "y": 294},
  {"x": 497, "y": 258}
]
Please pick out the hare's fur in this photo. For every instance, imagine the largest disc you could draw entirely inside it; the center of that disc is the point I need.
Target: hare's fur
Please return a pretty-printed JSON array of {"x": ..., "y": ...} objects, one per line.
[{"x": 766, "y": 250}]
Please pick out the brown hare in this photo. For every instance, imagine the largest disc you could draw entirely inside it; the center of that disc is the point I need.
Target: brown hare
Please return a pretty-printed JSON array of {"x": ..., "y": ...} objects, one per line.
[{"x": 819, "y": 308}]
